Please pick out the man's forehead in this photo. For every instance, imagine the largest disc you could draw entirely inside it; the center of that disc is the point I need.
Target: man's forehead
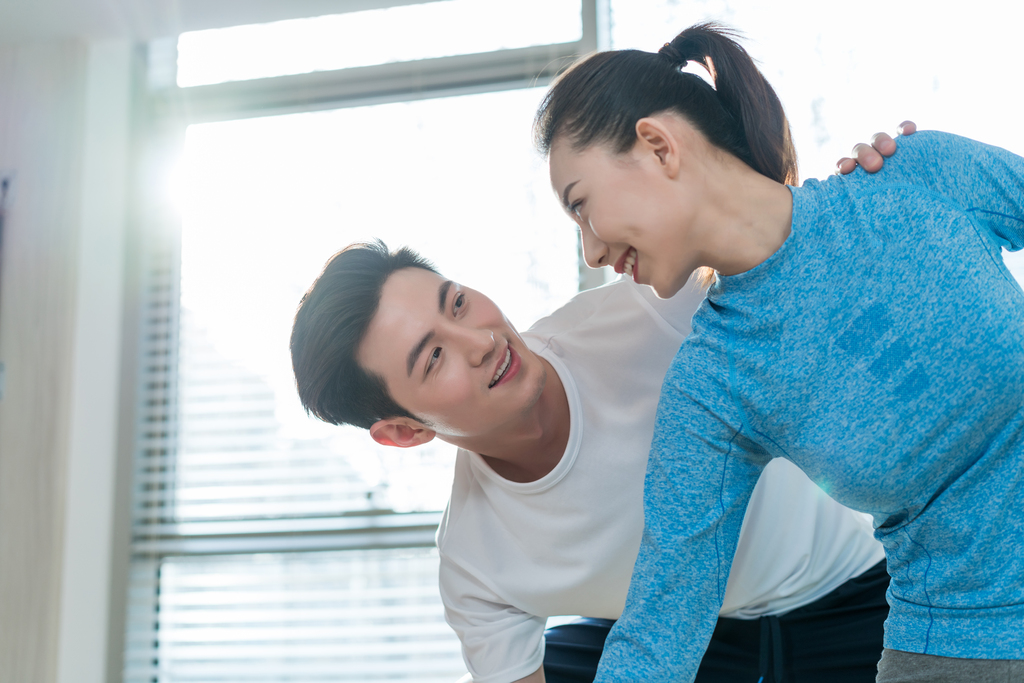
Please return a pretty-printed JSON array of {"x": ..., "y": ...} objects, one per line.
[
  {"x": 409, "y": 289},
  {"x": 407, "y": 304}
]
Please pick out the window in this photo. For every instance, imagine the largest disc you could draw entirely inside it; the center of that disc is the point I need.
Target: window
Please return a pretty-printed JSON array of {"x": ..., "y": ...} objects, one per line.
[{"x": 268, "y": 546}]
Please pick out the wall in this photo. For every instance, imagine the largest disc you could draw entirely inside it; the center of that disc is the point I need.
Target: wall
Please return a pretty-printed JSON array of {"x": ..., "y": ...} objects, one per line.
[
  {"x": 41, "y": 104},
  {"x": 63, "y": 133},
  {"x": 88, "y": 603}
]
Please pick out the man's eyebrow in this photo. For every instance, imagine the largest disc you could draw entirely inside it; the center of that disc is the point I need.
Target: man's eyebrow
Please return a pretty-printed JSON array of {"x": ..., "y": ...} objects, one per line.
[
  {"x": 565, "y": 194},
  {"x": 416, "y": 351},
  {"x": 442, "y": 295},
  {"x": 442, "y": 299}
]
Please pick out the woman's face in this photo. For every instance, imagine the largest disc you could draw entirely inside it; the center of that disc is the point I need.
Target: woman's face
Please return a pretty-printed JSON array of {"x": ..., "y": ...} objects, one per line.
[{"x": 630, "y": 211}]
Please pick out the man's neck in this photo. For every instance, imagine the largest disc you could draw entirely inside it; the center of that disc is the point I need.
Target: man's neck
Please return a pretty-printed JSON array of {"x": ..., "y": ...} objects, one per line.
[{"x": 539, "y": 440}]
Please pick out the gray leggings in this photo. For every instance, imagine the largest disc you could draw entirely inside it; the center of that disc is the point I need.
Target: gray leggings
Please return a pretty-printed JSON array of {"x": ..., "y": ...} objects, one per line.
[{"x": 909, "y": 667}]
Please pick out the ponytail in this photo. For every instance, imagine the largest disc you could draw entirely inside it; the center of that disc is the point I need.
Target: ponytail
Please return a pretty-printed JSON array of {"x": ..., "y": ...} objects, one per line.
[
  {"x": 600, "y": 99},
  {"x": 744, "y": 93}
]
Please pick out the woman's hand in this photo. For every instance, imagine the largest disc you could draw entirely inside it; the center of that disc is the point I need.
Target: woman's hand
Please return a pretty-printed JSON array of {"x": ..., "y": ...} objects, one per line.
[{"x": 870, "y": 156}]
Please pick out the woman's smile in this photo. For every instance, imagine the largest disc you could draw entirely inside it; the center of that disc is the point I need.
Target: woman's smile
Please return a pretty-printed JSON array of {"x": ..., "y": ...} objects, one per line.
[{"x": 627, "y": 264}]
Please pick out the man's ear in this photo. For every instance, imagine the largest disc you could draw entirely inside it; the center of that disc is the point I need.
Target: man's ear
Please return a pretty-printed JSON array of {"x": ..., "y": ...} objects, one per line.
[
  {"x": 400, "y": 432},
  {"x": 655, "y": 138}
]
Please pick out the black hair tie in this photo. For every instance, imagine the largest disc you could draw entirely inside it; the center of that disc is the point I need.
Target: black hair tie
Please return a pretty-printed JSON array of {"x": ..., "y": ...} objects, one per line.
[{"x": 669, "y": 51}]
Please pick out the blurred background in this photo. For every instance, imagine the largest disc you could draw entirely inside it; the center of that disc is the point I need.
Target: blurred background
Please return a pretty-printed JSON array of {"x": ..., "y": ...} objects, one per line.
[{"x": 177, "y": 174}]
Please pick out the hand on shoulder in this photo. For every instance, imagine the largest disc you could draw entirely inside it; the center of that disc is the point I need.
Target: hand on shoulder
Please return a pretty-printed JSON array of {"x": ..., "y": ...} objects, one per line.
[{"x": 871, "y": 157}]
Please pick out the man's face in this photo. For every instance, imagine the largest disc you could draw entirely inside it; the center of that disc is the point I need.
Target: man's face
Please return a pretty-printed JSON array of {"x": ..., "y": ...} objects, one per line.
[{"x": 450, "y": 357}]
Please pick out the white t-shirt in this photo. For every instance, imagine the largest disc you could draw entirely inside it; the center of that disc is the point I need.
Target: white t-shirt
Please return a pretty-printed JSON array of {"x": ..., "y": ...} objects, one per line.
[{"x": 513, "y": 554}]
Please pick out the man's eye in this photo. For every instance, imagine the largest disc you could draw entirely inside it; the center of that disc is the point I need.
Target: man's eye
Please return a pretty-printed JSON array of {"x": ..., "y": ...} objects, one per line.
[{"x": 460, "y": 300}]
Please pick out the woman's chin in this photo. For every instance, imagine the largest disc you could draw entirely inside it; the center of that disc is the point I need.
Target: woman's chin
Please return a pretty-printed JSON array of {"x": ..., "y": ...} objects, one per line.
[{"x": 664, "y": 291}]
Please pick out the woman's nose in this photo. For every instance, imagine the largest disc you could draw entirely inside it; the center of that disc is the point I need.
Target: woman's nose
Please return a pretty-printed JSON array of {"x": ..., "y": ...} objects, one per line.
[{"x": 595, "y": 251}]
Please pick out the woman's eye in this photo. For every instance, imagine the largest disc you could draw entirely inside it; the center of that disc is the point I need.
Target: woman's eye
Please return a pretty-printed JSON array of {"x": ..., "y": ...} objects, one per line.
[
  {"x": 433, "y": 357},
  {"x": 575, "y": 209}
]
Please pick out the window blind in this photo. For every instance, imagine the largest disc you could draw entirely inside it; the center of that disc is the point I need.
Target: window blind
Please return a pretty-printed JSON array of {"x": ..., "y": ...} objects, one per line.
[{"x": 253, "y": 561}]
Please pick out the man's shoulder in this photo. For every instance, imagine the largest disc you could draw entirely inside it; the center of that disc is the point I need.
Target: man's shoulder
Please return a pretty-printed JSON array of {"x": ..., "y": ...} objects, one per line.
[
  {"x": 579, "y": 309},
  {"x": 608, "y": 308}
]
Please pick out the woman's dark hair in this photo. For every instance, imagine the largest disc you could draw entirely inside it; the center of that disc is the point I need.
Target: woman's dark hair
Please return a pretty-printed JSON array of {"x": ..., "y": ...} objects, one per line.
[
  {"x": 600, "y": 99},
  {"x": 330, "y": 323}
]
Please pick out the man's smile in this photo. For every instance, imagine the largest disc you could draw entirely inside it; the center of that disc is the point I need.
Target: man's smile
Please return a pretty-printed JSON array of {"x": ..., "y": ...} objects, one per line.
[{"x": 507, "y": 368}]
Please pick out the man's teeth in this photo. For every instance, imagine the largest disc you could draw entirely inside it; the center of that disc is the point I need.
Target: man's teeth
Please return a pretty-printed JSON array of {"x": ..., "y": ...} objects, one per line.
[
  {"x": 630, "y": 262},
  {"x": 504, "y": 366}
]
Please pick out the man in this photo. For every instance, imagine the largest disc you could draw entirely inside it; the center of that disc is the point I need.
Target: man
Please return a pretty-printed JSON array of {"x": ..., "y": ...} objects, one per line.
[{"x": 553, "y": 428}]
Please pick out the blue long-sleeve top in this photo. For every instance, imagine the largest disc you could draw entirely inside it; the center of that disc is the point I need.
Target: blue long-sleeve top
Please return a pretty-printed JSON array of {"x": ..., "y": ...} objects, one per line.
[{"x": 880, "y": 349}]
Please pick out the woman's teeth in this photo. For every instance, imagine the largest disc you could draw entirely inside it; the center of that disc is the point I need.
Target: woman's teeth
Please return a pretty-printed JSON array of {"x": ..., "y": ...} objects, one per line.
[
  {"x": 503, "y": 368},
  {"x": 630, "y": 262}
]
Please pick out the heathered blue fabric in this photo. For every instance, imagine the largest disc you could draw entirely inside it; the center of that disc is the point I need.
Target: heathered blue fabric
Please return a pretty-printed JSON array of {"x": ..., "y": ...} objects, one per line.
[{"x": 881, "y": 349}]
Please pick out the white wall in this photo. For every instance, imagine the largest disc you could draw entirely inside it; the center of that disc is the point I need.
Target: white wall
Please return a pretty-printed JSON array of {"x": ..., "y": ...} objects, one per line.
[
  {"x": 96, "y": 359},
  {"x": 63, "y": 137},
  {"x": 41, "y": 88}
]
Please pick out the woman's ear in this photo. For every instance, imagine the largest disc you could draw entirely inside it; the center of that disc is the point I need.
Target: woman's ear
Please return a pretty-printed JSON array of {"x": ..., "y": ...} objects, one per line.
[
  {"x": 656, "y": 138},
  {"x": 400, "y": 432}
]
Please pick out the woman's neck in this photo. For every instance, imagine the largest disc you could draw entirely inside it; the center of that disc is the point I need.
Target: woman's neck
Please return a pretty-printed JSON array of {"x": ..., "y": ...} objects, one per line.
[{"x": 746, "y": 216}]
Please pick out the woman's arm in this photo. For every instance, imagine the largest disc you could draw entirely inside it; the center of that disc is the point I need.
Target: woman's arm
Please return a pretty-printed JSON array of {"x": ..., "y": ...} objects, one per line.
[
  {"x": 994, "y": 187},
  {"x": 700, "y": 475}
]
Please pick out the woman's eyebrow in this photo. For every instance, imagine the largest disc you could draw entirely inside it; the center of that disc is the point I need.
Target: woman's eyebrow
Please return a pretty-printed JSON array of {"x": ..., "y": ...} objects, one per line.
[{"x": 565, "y": 194}]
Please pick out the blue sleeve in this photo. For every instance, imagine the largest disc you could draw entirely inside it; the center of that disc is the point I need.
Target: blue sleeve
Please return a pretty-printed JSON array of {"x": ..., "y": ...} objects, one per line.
[
  {"x": 996, "y": 194},
  {"x": 700, "y": 476},
  {"x": 986, "y": 181}
]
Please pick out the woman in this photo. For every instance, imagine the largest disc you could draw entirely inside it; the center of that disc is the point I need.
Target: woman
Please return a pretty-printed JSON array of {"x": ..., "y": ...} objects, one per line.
[{"x": 864, "y": 328}]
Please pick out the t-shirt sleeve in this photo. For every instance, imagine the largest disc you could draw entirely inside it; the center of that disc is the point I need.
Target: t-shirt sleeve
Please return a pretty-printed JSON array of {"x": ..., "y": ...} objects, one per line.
[
  {"x": 700, "y": 476},
  {"x": 500, "y": 643}
]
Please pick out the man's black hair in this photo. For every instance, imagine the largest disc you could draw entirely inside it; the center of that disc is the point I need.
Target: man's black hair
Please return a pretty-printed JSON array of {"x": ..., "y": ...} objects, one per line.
[{"x": 331, "y": 322}]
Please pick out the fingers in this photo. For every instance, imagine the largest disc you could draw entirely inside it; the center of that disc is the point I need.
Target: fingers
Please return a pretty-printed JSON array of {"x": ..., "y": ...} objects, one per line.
[
  {"x": 845, "y": 165},
  {"x": 868, "y": 157},
  {"x": 883, "y": 144},
  {"x": 871, "y": 156}
]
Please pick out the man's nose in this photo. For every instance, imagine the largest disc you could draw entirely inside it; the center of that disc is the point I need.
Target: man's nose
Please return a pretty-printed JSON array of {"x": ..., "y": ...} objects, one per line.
[{"x": 480, "y": 345}]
